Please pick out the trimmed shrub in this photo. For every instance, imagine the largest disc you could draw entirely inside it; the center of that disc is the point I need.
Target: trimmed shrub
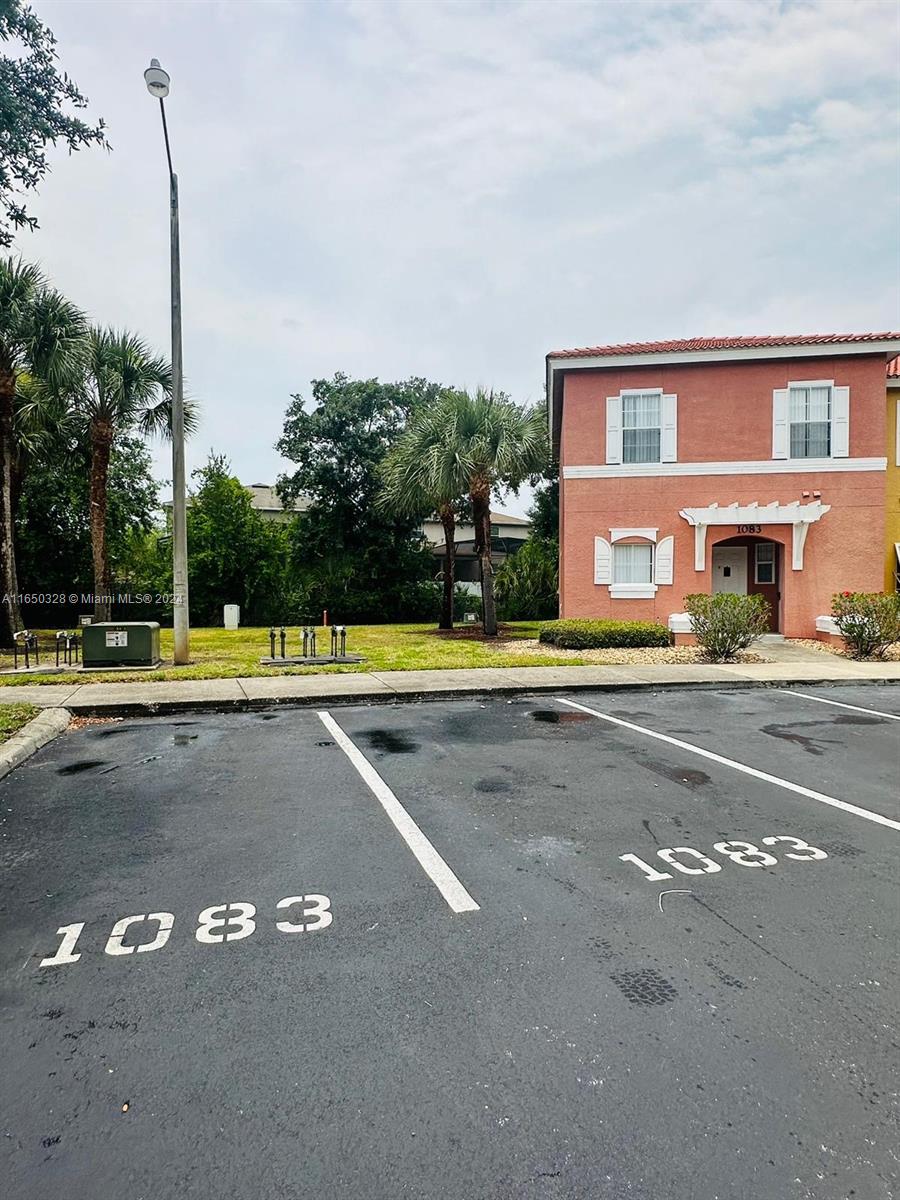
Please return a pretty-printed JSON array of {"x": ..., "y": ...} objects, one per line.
[
  {"x": 869, "y": 621},
  {"x": 726, "y": 623},
  {"x": 602, "y": 635}
]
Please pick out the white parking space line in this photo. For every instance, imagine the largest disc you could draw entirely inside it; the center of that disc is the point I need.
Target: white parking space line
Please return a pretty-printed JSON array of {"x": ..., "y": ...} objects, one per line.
[
  {"x": 429, "y": 859},
  {"x": 875, "y": 712},
  {"x": 854, "y": 809}
]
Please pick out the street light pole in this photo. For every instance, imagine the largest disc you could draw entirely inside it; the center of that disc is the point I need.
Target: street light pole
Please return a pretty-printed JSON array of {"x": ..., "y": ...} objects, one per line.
[{"x": 158, "y": 85}]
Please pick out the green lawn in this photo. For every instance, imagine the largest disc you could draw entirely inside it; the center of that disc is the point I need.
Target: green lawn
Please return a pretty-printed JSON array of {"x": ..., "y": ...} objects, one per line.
[
  {"x": 224, "y": 653},
  {"x": 13, "y": 717}
]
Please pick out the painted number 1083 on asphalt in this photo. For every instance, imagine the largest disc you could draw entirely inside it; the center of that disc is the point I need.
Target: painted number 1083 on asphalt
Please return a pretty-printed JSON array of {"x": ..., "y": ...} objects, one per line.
[
  {"x": 228, "y": 922},
  {"x": 744, "y": 854}
]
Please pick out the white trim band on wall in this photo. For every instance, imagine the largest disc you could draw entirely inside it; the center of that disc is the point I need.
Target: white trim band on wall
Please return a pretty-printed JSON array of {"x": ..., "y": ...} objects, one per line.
[{"x": 789, "y": 466}]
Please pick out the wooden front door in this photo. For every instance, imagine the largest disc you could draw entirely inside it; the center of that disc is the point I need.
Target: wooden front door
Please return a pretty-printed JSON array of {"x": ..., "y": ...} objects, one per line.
[{"x": 765, "y": 578}]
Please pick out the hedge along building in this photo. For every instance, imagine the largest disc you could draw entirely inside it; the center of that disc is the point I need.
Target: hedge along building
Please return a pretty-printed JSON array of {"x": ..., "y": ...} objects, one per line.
[{"x": 754, "y": 464}]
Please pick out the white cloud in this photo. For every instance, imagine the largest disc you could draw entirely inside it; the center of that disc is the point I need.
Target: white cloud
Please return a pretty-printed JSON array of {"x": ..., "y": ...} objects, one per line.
[{"x": 452, "y": 189}]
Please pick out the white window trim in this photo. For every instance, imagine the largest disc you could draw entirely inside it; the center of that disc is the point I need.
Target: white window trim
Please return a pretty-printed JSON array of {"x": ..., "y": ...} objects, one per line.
[
  {"x": 834, "y": 388},
  {"x": 773, "y": 562},
  {"x": 649, "y": 535},
  {"x": 668, "y": 427},
  {"x": 634, "y": 591},
  {"x": 648, "y": 391}
]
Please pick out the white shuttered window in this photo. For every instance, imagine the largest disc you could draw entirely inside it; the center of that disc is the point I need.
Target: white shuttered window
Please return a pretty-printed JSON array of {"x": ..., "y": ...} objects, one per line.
[
  {"x": 633, "y": 563},
  {"x": 810, "y": 416},
  {"x": 811, "y": 420},
  {"x": 641, "y": 427}
]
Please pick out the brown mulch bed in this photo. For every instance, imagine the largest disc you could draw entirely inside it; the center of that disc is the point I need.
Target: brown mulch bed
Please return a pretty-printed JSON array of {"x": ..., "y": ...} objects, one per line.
[{"x": 469, "y": 633}]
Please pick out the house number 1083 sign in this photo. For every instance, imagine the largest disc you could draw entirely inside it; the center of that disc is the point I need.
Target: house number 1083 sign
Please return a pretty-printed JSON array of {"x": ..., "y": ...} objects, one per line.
[{"x": 749, "y": 528}]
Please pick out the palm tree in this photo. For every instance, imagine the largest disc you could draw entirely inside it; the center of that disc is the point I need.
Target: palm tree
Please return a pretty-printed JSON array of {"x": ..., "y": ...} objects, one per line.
[
  {"x": 124, "y": 387},
  {"x": 422, "y": 474},
  {"x": 469, "y": 445},
  {"x": 42, "y": 335},
  {"x": 498, "y": 444}
]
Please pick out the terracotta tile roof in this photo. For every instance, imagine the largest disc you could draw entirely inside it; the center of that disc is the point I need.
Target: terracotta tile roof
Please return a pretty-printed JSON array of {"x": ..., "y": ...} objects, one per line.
[
  {"x": 893, "y": 368},
  {"x": 726, "y": 343}
]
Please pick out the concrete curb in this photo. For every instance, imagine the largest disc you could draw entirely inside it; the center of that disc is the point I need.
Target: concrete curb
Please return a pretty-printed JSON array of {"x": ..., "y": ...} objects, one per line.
[
  {"x": 151, "y": 708},
  {"x": 31, "y": 737}
]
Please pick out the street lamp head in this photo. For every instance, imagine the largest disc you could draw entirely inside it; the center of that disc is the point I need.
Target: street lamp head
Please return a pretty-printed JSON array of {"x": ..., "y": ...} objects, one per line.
[{"x": 157, "y": 79}]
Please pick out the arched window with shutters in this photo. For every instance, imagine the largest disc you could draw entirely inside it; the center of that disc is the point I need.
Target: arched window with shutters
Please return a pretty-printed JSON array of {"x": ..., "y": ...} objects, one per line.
[{"x": 632, "y": 563}]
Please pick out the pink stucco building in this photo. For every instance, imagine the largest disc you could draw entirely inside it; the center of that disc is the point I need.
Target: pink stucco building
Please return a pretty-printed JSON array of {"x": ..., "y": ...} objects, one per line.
[{"x": 721, "y": 464}]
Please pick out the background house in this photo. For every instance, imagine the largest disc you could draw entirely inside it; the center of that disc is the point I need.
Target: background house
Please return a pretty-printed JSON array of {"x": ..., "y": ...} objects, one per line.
[
  {"x": 263, "y": 499},
  {"x": 508, "y": 534},
  {"x": 266, "y": 502}
]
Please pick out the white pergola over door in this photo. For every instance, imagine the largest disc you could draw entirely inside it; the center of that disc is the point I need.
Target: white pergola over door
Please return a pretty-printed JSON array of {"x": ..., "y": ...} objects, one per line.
[{"x": 799, "y": 516}]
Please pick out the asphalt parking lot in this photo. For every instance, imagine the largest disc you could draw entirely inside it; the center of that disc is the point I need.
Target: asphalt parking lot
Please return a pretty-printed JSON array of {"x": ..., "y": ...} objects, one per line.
[{"x": 535, "y": 948}]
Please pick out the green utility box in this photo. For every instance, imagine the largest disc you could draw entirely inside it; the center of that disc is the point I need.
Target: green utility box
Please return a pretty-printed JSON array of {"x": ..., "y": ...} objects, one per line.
[{"x": 122, "y": 644}]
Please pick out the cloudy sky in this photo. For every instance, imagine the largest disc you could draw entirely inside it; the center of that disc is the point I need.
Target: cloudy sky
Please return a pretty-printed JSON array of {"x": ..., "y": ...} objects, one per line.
[{"x": 453, "y": 189}]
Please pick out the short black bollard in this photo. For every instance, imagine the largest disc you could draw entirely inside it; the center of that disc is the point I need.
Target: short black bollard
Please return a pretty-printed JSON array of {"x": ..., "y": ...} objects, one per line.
[
  {"x": 271, "y": 643},
  {"x": 282, "y": 641},
  {"x": 334, "y": 641},
  {"x": 29, "y": 643},
  {"x": 343, "y": 641},
  {"x": 68, "y": 643},
  {"x": 312, "y": 643}
]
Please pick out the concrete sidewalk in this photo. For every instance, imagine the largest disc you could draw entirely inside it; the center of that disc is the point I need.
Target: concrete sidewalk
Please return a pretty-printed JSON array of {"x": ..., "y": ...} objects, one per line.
[{"x": 91, "y": 699}]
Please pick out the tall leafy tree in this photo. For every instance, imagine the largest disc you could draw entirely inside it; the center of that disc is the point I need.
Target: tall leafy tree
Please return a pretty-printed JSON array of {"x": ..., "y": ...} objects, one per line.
[
  {"x": 43, "y": 338},
  {"x": 53, "y": 526},
  {"x": 544, "y": 511},
  {"x": 488, "y": 443},
  {"x": 124, "y": 387},
  {"x": 344, "y": 556},
  {"x": 237, "y": 557},
  {"x": 35, "y": 111}
]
